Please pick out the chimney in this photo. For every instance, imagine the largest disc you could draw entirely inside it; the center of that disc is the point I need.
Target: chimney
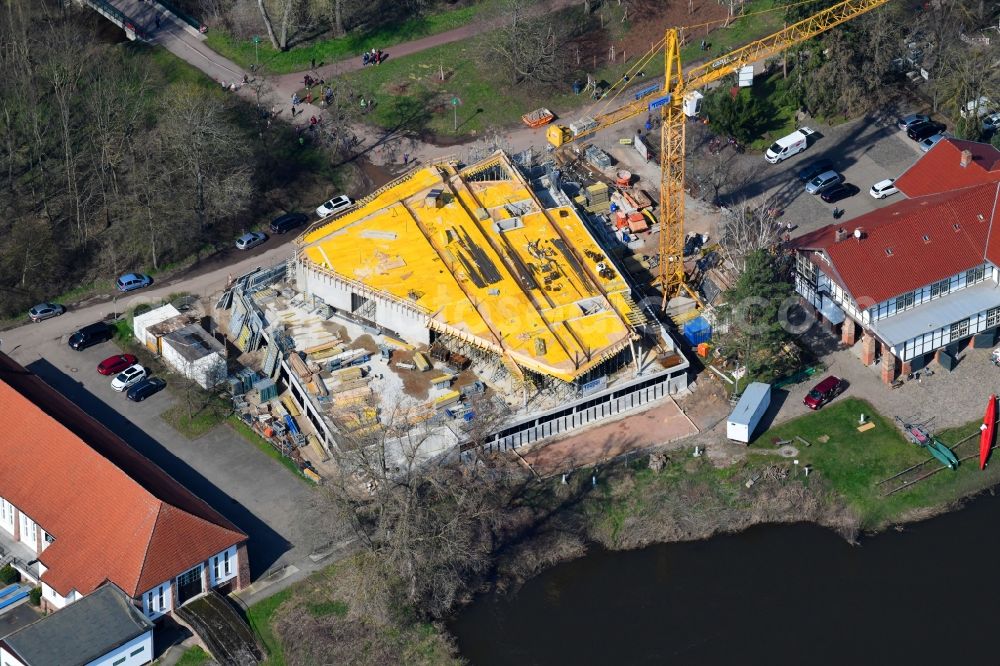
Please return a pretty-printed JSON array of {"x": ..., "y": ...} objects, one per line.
[
  {"x": 840, "y": 235},
  {"x": 859, "y": 233},
  {"x": 966, "y": 158}
]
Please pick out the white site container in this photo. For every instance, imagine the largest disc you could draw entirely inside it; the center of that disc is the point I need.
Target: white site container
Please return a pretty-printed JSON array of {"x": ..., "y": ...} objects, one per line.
[{"x": 748, "y": 412}]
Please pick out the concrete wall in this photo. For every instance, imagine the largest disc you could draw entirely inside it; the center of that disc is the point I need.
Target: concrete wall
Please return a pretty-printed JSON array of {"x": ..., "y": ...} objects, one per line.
[
  {"x": 590, "y": 409},
  {"x": 137, "y": 651}
]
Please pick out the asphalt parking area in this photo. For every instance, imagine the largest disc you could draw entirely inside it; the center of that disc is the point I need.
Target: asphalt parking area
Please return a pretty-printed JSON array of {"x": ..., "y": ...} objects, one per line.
[
  {"x": 260, "y": 496},
  {"x": 865, "y": 151}
]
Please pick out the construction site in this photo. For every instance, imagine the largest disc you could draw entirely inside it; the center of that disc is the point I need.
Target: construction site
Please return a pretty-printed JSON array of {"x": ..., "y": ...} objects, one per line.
[{"x": 481, "y": 304}]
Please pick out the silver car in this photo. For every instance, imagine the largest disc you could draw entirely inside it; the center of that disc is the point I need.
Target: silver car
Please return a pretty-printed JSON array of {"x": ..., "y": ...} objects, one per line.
[
  {"x": 823, "y": 181},
  {"x": 45, "y": 311},
  {"x": 252, "y": 239},
  {"x": 931, "y": 141}
]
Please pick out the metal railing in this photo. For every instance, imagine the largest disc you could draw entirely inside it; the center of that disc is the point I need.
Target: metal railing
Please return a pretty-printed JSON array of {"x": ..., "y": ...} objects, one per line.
[{"x": 117, "y": 15}]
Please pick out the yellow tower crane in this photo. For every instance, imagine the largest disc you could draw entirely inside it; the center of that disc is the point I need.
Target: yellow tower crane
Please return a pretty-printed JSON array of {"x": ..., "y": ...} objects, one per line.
[{"x": 678, "y": 100}]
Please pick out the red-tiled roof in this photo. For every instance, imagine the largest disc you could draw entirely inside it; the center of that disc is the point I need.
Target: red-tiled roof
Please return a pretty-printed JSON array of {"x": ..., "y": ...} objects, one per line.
[
  {"x": 893, "y": 258},
  {"x": 114, "y": 514},
  {"x": 940, "y": 170}
]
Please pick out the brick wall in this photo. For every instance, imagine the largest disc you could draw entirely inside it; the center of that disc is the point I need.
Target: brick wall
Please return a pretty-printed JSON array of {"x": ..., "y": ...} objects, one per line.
[{"x": 243, "y": 577}]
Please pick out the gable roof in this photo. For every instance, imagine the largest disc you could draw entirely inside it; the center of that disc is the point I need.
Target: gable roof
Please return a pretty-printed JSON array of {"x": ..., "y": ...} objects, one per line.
[
  {"x": 81, "y": 632},
  {"x": 115, "y": 516},
  {"x": 940, "y": 169},
  {"x": 962, "y": 230}
]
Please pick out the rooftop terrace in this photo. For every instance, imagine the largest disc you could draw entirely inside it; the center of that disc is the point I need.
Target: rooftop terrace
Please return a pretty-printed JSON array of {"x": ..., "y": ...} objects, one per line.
[{"x": 477, "y": 252}]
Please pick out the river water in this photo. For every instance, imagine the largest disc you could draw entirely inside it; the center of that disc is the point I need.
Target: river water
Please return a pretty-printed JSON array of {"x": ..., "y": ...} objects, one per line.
[{"x": 775, "y": 594}]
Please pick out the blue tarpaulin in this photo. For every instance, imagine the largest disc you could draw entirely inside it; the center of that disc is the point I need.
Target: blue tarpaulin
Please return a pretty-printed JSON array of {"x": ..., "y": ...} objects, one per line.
[{"x": 698, "y": 330}]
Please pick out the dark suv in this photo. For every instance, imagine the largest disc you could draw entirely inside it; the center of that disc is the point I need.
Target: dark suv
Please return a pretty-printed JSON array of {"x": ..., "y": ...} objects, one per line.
[
  {"x": 922, "y": 131},
  {"x": 91, "y": 335},
  {"x": 287, "y": 222}
]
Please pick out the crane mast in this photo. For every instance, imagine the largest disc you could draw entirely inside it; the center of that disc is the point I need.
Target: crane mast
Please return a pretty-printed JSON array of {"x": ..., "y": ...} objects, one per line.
[{"x": 670, "y": 103}]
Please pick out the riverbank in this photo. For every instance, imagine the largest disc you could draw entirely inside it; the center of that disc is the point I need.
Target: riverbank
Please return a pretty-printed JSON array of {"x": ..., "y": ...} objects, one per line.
[{"x": 666, "y": 498}]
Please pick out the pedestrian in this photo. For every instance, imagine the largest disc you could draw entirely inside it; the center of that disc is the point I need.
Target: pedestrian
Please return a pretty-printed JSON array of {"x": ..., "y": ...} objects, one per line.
[
  {"x": 363, "y": 105},
  {"x": 406, "y": 158},
  {"x": 225, "y": 86},
  {"x": 364, "y": 59},
  {"x": 302, "y": 140},
  {"x": 309, "y": 98},
  {"x": 295, "y": 99},
  {"x": 312, "y": 63},
  {"x": 157, "y": 19},
  {"x": 246, "y": 79}
]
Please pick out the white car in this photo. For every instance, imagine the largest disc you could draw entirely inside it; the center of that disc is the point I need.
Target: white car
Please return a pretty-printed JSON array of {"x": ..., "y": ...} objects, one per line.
[
  {"x": 931, "y": 141},
  {"x": 252, "y": 239},
  {"x": 334, "y": 205},
  {"x": 128, "y": 377},
  {"x": 884, "y": 188}
]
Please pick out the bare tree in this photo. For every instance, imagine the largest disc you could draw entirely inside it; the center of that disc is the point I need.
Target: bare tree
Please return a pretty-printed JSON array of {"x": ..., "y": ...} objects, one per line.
[
  {"x": 284, "y": 10},
  {"x": 526, "y": 49},
  {"x": 746, "y": 228}
]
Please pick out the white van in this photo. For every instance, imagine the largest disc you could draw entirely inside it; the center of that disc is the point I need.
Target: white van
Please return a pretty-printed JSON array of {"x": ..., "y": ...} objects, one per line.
[{"x": 789, "y": 145}]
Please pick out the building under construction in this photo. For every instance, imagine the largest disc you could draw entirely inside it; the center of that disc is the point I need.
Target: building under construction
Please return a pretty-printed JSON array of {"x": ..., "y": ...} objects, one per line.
[{"x": 485, "y": 263}]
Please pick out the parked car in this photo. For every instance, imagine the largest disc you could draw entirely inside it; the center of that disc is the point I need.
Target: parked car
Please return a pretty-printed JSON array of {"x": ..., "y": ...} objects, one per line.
[
  {"x": 823, "y": 181},
  {"x": 835, "y": 193},
  {"x": 814, "y": 169},
  {"x": 45, "y": 311},
  {"x": 924, "y": 130},
  {"x": 991, "y": 123},
  {"x": 824, "y": 392},
  {"x": 906, "y": 122},
  {"x": 334, "y": 205},
  {"x": 252, "y": 239},
  {"x": 976, "y": 108},
  {"x": 115, "y": 364},
  {"x": 287, "y": 222},
  {"x": 88, "y": 336},
  {"x": 133, "y": 281},
  {"x": 883, "y": 188},
  {"x": 145, "y": 388},
  {"x": 931, "y": 141},
  {"x": 130, "y": 376}
]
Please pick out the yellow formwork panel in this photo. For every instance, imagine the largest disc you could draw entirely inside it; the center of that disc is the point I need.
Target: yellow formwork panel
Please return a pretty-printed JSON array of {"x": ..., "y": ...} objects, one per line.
[{"x": 398, "y": 244}]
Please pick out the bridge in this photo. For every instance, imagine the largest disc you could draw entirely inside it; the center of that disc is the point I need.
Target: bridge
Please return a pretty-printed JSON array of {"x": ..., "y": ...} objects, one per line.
[{"x": 146, "y": 19}]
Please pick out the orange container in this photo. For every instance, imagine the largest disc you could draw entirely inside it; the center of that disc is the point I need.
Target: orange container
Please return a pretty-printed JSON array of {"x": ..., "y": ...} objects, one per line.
[
  {"x": 702, "y": 350},
  {"x": 268, "y": 432}
]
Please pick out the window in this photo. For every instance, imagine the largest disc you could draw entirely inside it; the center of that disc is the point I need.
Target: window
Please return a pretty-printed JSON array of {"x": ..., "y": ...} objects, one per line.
[
  {"x": 905, "y": 301},
  {"x": 992, "y": 317},
  {"x": 137, "y": 651},
  {"x": 160, "y": 599},
  {"x": 940, "y": 288},
  {"x": 974, "y": 275},
  {"x": 959, "y": 329},
  {"x": 118, "y": 661}
]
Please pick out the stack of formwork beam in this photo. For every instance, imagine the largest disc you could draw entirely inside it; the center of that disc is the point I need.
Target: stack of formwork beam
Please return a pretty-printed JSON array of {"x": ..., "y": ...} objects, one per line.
[{"x": 598, "y": 198}]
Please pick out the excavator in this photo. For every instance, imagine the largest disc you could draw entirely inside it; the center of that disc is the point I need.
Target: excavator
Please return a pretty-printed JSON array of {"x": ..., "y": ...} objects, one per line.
[{"x": 680, "y": 99}]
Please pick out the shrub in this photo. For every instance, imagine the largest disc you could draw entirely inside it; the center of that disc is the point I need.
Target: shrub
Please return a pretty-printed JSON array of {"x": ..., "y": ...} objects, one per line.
[
  {"x": 35, "y": 596},
  {"x": 9, "y": 574}
]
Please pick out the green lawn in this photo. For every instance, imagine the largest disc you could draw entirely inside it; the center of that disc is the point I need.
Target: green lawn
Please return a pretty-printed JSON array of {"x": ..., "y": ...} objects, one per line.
[
  {"x": 260, "y": 615},
  {"x": 410, "y": 93},
  {"x": 194, "y": 656},
  {"x": 854, "y": 462},
  {"x": 298, "y": 58},
  {"x": 202, "y": 420}
]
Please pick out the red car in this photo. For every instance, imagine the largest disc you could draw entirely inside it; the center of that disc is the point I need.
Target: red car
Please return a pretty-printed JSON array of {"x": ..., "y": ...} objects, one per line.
[
  {"x": 115, "y": 364},
  {"x": 824, "y": 392}
]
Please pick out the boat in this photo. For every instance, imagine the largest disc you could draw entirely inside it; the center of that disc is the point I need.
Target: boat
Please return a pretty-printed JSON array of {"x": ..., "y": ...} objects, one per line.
[
  {"x": 946, "y": 455},
  {"x": 987, "y": 431}
]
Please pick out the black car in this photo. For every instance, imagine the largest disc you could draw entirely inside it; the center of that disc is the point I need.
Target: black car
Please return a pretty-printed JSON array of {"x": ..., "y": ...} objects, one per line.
[
  {"x": 816, "y": 168},
  {"x": 923, "y": 130},
  {"x": 287, "y": 222},
  {"x": 91, "y": 335},
  {"x": 145, "y": 388},
  {"x": 839, "y": 191}
]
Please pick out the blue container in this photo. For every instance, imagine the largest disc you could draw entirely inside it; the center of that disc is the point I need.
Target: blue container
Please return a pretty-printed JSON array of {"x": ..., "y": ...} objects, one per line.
[{"x": 697, "y": 330}]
